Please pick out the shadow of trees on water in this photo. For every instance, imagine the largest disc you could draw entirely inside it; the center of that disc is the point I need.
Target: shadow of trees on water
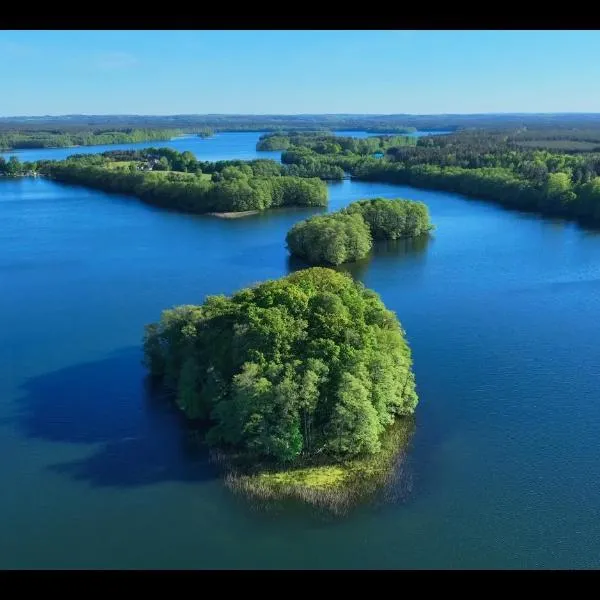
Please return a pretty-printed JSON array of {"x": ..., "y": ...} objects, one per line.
[
  {"x": 139, "y": 436},
  {"x": 403, "y": 249}
]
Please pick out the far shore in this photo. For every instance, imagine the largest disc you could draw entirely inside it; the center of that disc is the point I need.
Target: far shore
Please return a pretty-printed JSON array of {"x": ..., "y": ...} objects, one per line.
[{"x": 9, "y": 150}]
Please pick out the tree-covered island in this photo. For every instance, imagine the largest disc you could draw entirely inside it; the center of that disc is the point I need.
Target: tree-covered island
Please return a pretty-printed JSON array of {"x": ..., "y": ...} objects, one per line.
[
  {"x": 348, "y": 235},
  {"x": 303, "y": 385}
]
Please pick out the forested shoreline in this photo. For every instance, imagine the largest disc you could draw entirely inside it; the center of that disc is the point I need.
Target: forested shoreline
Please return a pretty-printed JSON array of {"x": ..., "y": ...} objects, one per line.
[
  {"x": 62, "y": 139},
  {"x": 486, "y": 164},
  {"x": 170, "y": 179}
]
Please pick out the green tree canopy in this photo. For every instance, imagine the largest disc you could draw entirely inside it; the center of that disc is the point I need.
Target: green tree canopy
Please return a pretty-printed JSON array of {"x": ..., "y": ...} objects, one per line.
[
  {"x": 348, "y": 235},
  {"x": 309, "y": 364}
]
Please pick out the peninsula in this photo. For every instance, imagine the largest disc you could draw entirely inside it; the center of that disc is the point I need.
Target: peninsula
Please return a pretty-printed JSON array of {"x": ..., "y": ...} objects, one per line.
[{"x": 176, "y": 180}]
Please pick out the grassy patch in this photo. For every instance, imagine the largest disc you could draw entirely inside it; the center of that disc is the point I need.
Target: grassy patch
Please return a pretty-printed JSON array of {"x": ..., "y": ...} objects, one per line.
[
  {"x": 119, "y": 165},
  {"x": 335, "y": 487}
]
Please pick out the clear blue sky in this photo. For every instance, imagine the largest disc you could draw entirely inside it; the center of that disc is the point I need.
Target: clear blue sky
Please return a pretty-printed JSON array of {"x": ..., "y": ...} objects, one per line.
[{"x": 259, "y": 72}]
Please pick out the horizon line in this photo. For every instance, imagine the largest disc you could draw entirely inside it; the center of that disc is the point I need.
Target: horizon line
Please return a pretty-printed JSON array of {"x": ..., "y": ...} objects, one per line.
[{"x": 325, "y": 114}]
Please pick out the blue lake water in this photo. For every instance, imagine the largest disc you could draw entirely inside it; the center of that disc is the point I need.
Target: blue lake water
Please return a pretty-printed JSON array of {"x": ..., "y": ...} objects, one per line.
[
  {"x": 222, "y": 146},
  {"x": 500, "y": 309}
]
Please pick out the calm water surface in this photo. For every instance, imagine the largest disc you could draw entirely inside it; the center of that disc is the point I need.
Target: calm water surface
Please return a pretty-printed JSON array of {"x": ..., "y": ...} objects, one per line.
[
  {"x": 500, "y": 310},
  {"x": 222, "y": 146}
]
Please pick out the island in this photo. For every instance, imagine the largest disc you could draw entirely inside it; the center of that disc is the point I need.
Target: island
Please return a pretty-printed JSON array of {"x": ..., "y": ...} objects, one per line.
[
  {"x": 302, "y": 386},
  {"x": 176, "y": 180},
  {"x": 348, "y": 235}
]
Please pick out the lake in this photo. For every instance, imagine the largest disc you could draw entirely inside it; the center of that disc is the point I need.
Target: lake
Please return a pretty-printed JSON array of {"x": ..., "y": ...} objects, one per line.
[
  {"x": 222, "y": 146},
  {"x": 500, "y": 309}
]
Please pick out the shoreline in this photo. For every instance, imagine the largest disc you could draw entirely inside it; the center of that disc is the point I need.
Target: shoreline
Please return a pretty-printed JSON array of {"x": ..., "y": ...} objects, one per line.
[
  {"x": 333, "y": 487},
  {"x": 233, "y": 215},
  {"x": 9, "y": 150}
]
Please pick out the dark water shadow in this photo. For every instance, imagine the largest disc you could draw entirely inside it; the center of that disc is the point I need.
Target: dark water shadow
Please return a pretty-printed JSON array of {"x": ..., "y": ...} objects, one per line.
[
  {"x": 141, "y": 437},
  {"x": 398, "y": 251}
]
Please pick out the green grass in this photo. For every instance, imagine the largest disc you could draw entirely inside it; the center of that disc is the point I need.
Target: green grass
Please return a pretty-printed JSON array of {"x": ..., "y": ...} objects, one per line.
[
  {"x": 335, "y": 487},
  {"x": 119, "y": 165}
]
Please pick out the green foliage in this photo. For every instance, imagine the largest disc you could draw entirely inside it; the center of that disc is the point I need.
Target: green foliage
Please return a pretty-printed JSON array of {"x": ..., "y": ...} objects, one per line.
[
  {"x": 392, "y": 219},
  {"x": 14, "y": 167},
  {"x": 312, "y": 364},
  {"x": 330, "y": 239},
  {"x": 327, "y": 143},
  {"x": 170, "y": 179},
  {"x": 273, "y": 142},
  {"x": 57, "y": 139},
  {"x": 347, "y": 235},
  {"x": 491, "y": 164}
]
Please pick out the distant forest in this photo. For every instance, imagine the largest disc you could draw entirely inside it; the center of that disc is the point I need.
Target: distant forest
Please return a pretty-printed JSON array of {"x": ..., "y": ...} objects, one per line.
[
  {"x": 399, "y": 123},
  {"x": 559, "y": 132}
]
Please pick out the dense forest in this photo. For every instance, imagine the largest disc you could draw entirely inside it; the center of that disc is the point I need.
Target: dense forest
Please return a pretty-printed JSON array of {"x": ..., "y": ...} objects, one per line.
[
  {"x": 398, "y": 123},
  {"x": 63, "y": 139},
  {"x": 375, "y": 123},
  {"x": 494, "y": 165},
  {"x": 329, "y": 143},
  {"x": 309, "y": 365},
  {"x": 175, "y": 180},
  {"x": 348, "y": 235}
]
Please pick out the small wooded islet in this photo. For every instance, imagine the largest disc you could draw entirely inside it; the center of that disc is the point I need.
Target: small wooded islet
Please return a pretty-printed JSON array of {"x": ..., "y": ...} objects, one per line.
[
  {"x": 348, "y": 235},
  {"x": 310, "y": 366}
]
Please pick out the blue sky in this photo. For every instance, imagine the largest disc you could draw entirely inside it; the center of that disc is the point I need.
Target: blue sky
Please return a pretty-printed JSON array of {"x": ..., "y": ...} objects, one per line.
[{"x": 290, "y": 72}]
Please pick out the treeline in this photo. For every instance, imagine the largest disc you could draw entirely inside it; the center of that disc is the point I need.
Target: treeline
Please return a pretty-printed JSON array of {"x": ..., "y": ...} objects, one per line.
[
  {"x": 563, "y": 139},
  {"x": 235, "y": 189},
  {"x": 59, "y": 139},
  {"x": 329, "y": 157},
  {"x": 310, "y": 365},
  {"x": 171, "y": 160},
  {"x": 204, "y": 132},
  {"x": 13, "y": 167},
  {"x": 328, "y": 143},
  {"x": 310, "y": 122},
  {"x": 348, "y": 235},
  {"x": 167, "y": 159},
  {"x": 390, "y": 129},
  {"x": 282, "y": 140},
  {"x": 556, "y": 196},
  {"x": 217, "y": 122},
  {"x": 486, "y": 164}
]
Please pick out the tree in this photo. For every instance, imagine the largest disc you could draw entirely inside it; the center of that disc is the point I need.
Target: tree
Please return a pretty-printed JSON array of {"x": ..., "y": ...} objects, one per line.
[{"x": 355, "y": 428}]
